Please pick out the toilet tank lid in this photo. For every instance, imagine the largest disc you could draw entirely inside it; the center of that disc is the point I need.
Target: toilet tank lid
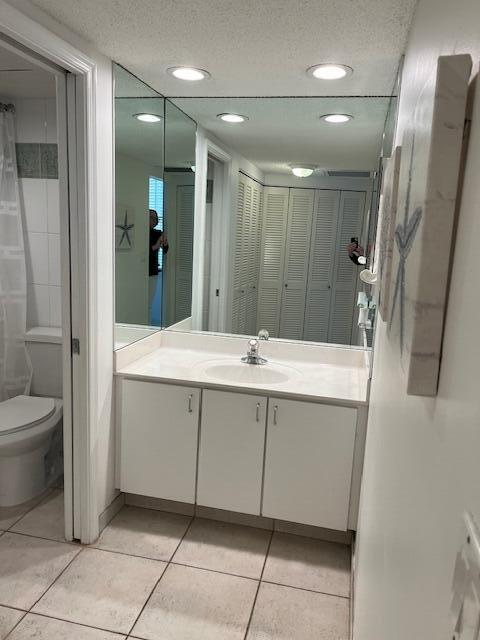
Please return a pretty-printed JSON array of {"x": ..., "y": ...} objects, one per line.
[{"x": 21, "y": 411}]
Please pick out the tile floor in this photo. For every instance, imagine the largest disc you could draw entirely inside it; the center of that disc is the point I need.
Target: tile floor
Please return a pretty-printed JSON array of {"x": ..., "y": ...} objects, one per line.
[{"x": 160, "y": 576}]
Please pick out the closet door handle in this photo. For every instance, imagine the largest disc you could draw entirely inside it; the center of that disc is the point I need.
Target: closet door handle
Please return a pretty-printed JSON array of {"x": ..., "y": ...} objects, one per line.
[
  {"x": 275, "y": 412},
  {"x": 257, "y": 412},
  {"x": 190, "y": 400}
]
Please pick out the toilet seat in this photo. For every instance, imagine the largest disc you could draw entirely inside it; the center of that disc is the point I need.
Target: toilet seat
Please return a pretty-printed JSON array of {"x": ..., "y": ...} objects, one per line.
[{"x": 24, "y": 412}]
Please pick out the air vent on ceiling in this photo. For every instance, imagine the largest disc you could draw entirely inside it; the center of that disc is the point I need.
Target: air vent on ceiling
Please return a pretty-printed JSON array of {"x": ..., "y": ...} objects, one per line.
[{"x": 349, "y": 174}]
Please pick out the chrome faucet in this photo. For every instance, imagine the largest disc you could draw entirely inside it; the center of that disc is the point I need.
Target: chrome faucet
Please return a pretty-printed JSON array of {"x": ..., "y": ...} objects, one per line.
[{"x": 253, "y": 356}]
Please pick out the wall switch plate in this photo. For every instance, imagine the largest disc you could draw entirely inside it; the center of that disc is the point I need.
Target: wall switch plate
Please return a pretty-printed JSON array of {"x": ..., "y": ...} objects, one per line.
[{"x": 465, "y": 607}]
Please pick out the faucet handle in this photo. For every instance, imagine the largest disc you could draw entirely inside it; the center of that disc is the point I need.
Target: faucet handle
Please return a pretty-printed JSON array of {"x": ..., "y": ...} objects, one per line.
[
  {"x": 253, "y": 346},
  {"x": 263, "y": 334}
]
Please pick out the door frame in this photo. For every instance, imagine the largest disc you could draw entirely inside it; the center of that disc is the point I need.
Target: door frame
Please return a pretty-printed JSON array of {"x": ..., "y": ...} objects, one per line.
[
  {"x": 77, "y": 117},
  {"x": 221, "y": 221}
]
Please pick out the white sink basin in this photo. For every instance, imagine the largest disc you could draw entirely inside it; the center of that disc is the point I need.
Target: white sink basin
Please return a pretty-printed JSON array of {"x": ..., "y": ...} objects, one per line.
[{"x": 240, "y": 372}]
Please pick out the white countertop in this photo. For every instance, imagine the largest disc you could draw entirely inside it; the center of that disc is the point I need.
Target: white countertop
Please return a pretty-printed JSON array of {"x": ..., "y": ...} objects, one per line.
[{"x": 321, "y": 373}]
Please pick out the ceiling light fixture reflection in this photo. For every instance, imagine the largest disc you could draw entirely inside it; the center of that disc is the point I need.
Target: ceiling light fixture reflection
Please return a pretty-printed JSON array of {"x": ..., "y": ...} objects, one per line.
[
  {"x": 329, "y": 71},
  {"x": 147, "y": 117},
  {"x": 337, "y": 118},
  {"x": 233, "y": 118},
  {"x": 191, "y": 74},
  {"x": 302, "y": 171}
]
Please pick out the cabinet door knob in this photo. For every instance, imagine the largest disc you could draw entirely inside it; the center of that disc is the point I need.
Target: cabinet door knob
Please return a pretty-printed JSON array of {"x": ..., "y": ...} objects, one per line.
[
  {"x": 257, "y": 412},
  {"x": 190, "y": 400},
  {"x": 275, "y": 411}
]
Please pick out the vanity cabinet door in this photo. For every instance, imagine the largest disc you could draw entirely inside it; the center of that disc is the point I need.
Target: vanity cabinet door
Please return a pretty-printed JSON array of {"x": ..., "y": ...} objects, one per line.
[
  {"x": 232, "y": 441},
  {"x": 308, "y": 463},
  {"x": 159, "y": 435}
]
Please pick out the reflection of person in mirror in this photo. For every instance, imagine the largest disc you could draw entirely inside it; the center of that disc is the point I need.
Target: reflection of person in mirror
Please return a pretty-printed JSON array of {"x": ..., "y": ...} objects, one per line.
[
  {"x": 356, "y": 253},
  {"x": 157, "y": 241}
]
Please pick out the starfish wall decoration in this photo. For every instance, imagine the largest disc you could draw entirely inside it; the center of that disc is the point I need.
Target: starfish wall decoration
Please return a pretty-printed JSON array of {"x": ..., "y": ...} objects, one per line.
[
  {"x": 404, "y": 238},
  {"x": 125, "y": 228}
]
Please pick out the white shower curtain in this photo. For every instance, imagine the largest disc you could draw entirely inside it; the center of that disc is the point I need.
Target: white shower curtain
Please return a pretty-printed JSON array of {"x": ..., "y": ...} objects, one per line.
[{"x": 15, "y": 368}]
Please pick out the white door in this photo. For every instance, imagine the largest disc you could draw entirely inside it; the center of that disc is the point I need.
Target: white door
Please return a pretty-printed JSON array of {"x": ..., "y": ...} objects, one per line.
[
  {"x": 297, "y": 254},
  {"x": 321, "y": 265},
  {"x": 274, "y": 231},
  {"x": 308, "y": 463},
  {"x": 159, "y": 435},
  {"x": 232, "y": 441},
  {"x": 345, "y": 274}
]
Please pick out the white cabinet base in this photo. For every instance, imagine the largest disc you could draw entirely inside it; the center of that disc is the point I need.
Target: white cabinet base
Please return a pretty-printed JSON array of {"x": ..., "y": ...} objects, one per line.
[
  {"x": 308, "y": 463},
  {"x": 159, "y": 440}
]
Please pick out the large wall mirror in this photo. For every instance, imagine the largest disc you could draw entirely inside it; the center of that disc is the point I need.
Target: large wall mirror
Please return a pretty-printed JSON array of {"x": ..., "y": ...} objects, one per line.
[
  {"x": 154, "y": 209},
  {"x": 265, "y": 213}
]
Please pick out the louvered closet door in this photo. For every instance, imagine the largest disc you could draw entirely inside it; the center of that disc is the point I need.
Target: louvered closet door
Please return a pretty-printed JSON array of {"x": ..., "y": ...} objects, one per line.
[
  {"x": 320, "y": 272},
  {"x": 253, "y": 256},
  {"x": 274, "y": 229},
  {"x": 300, "y": 212},
  {"x": 184, "y": 252},
  {"x": 345, "y": 275}
]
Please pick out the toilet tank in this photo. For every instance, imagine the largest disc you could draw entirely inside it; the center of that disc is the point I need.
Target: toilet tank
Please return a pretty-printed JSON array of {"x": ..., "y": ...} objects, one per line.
[{"x": 44, "y": 346}]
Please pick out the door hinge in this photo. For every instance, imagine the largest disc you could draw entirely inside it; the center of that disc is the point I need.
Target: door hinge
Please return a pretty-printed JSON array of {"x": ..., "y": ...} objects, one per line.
[{"x": 75, "y": 345}]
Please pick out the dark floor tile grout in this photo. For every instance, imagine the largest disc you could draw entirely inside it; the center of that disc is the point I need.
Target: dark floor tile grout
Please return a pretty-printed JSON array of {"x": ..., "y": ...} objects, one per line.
[
  {"x": 16, "y": 625},
  {"x": 80, "y": 624},
  {"x": 258, "y": 587},
  {"x": 56, "y": 579},
  {"x": 291, "y": 586},
  {"x": 30, "y": 535},
  {"x": 47, "y": 493},
  {"x": 163, "y": 573}
]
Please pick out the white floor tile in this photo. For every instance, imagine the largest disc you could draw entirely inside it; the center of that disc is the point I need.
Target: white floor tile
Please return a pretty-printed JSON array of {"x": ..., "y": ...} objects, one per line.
[
  {"x": 195, "y": 604},
  {"x": 10, "y": 515},
  {"x": 29, "y": 566},
  {"x": 144, "y": 532},
  {"x": 102, "y": 589},
  {"x": 283, "y": 613},
  {"x": 310, "y": 564},
  {"x": 34, "y": 627},
  {"x": 224, "y": 547}
]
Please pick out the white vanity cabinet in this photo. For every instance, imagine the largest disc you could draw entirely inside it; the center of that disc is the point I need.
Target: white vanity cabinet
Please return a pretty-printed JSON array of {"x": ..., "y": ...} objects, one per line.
[
  {"x": 308, "y": 463},
  {"x": 232, "y": 440},
  {"x": 254, "y": 454},
  {"x": 159, "y": 436}
]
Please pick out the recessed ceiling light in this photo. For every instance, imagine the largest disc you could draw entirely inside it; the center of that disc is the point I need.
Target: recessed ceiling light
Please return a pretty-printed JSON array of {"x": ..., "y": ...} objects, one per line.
[
  {"x": 233, "y": 118},
  {"x": 329, "y": 71},
  {"x": 188, "y": 73},
  {"x": 337, "y": 118},
  {"x": 147, "y": 117},
  {"x": 302, "y": 171}
]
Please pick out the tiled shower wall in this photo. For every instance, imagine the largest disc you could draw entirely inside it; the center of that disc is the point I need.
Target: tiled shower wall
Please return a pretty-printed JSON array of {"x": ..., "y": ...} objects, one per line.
[{"x": 38, "y": 182}]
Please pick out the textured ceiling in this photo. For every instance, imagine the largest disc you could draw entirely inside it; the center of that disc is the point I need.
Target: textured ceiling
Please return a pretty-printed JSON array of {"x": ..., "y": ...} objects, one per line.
[
  {"x": 20, "y": 78},
  {"x": 281, "y": 131},
  {"x": 251, "y": 47}
]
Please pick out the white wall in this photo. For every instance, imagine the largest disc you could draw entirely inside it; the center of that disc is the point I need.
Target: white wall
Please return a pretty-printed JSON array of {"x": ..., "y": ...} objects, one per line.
[
  {"x": 101, "y": 249},
  {"x": 35, "y": 121},
  {"x": 422, "y": 456}
]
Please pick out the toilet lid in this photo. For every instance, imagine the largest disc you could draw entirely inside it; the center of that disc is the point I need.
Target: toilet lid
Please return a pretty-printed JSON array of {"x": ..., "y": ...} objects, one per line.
[{"x": 23, "y": 411}]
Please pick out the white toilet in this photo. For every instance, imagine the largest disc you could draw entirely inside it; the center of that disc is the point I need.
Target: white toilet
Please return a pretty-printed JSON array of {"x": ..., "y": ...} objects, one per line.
[
  {"x": 30, "y": 426},
  {"x": 27, "y": 425}
]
